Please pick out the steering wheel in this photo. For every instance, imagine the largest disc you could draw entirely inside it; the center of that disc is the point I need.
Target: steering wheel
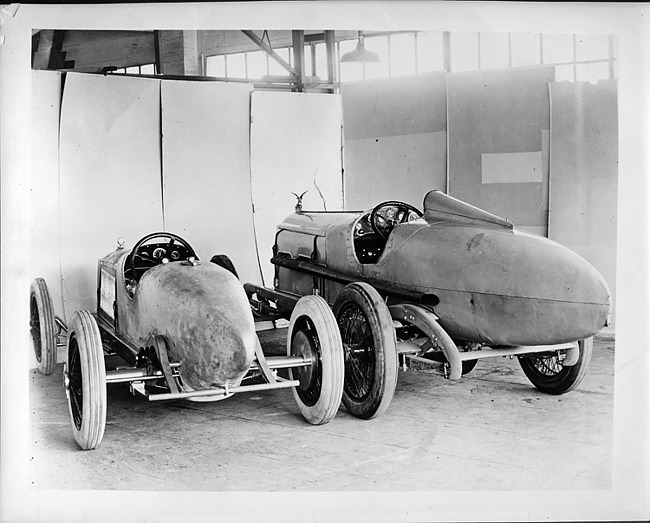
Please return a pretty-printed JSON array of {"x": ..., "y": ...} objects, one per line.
[
  {"x": 387, "y": 215},
  {"x": 152, "y": 260}
]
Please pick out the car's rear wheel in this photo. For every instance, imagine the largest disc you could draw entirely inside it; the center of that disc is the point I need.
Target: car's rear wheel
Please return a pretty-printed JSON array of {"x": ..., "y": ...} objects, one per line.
[
  {"x": 314, "y": 335},
  {"x": 370, "y": 349},
  {"x": 547, "y": 372},
  {"x": 42, "y": 325},
  {"x": 85, "y": 380}
]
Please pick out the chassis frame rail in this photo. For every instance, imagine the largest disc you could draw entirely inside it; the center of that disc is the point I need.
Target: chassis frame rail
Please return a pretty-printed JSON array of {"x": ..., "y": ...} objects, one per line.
[
  {"x": 136, "y": 376},
  {"x": 427, "y": 322}
]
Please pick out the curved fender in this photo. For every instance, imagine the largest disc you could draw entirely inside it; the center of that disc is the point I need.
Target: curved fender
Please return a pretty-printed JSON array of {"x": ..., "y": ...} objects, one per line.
[{"x": 426, "y": 321}]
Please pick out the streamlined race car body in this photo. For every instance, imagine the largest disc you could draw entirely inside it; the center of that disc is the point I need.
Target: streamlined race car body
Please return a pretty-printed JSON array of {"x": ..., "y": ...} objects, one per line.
[
  {"x": 457, "y": 284},
  {"x": 184, "y": 329}
]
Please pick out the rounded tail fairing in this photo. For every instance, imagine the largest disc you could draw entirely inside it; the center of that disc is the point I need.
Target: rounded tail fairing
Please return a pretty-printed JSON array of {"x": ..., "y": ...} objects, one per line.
[
  {"x": 499, "y": 285},
  {"x": 204, "y": 315}
]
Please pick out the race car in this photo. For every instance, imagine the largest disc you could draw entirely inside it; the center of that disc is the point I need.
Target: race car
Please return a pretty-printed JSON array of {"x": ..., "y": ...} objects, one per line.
[
  {"x": 452, "y": 283},
  {"x": 185, "y": 330}
]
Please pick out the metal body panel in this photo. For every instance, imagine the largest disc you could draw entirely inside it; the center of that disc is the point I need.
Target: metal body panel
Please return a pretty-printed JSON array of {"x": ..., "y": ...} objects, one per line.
[
  {"x": 201, "y": 311},
  {"x": 490, "y": 283},
  {"x": 497, "y": 286},
  {"x": 203, "y": 314}
]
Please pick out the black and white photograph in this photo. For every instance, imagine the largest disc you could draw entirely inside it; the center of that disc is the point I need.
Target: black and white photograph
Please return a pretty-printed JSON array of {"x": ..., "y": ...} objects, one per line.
[{"x": 325, "y": 261}]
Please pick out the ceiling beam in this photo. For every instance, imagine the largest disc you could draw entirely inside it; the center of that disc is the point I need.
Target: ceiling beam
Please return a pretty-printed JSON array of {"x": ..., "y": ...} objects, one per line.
[{"x": 269, "y": 51}]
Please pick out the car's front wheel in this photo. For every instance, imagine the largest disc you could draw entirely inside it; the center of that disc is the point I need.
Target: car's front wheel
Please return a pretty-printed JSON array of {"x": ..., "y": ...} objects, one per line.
[
  {"x": 314, "y": 335},
  {"x": 548, "y": 373},
  {"x": 85, "y": 380},
  {"x": 370, "y": 349}
]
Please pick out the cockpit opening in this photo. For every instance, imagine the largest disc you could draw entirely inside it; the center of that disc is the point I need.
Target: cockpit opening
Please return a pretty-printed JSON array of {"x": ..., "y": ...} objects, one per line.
[{"x": 372, "y": 229}]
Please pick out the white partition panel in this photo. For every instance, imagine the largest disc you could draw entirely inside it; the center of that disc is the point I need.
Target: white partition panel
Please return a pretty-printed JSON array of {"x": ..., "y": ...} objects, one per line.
[
  {"x": 395, "y": 132},
  {"x": 584, "y": 172},
  {"x": 206, "y": 170},
  {"x": 401, "y": 167},
  {"x": 44, "y": 253},
  {"x": 110, "y": 184},
  {"x": 295, "y": 147}
]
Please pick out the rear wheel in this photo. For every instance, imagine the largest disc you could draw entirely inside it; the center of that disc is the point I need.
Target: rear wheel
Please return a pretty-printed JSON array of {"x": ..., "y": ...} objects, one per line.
[
  {"x": 314, "y": 335},
  {"x": 42, "y": 325},
  {"x": 370, "y": 349},
  {"x": 547, "y": 372},
  {"x": 85, "y": 380}
]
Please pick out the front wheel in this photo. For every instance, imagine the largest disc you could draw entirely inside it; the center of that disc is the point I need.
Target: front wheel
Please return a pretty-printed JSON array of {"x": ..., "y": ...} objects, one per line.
[
  {"x": 370, "y": 348},
  {"x": 85, "y": 380},
  {"x": 314, "y": 335},
  {"x": 42, "y": 325},
  {"x": 547, "y": 372}
]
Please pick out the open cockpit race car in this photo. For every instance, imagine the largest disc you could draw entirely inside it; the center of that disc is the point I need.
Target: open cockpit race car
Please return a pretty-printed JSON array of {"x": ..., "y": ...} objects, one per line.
[
  {"x": 452, "y": 285},
  {"x": 185, "y": 330}
]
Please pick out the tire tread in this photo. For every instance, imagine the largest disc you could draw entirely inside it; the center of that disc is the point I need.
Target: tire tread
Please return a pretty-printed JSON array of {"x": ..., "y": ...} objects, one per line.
[
  {"x": 93, "y": 371},
  {"x": 47, "y": 360},
  {"x": 333, "y": 369}
]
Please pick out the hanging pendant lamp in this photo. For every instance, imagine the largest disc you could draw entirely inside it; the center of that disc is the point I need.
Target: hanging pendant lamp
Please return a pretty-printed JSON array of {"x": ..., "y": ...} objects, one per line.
[{"x": 360, "y": 54}]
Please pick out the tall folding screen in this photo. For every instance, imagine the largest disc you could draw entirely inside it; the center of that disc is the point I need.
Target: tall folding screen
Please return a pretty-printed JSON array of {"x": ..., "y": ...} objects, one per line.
[
  {"x": 206, "y": 170},
  {"x": 498, "y": 128},
  {"x": 584, "y": 171},
  {"x": 44, "y": 188},
  {"x": 109, "y": 174},
  {"x": 395, "y": 135},
  {"x": 295, "y": 147},
  {"x": 44, "y": 252}
]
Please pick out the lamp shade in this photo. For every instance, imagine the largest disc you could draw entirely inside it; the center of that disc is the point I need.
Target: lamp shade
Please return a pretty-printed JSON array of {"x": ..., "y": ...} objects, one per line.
[{"x": 360, "y": 55}]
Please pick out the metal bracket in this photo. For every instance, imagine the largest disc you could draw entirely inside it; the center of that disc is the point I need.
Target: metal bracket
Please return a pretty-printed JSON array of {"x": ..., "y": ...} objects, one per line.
[
  {"x": 263, "y": 365},
  {"x": 160, "y": 347},
  {"x": 61, "y": 332},
  {"x": 425, "y": 320},
  {"x": 572, "y": 356}
]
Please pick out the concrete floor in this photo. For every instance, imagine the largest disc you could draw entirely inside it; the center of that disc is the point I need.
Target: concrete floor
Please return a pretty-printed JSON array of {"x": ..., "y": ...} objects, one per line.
[{"x": 492, "y": 431}]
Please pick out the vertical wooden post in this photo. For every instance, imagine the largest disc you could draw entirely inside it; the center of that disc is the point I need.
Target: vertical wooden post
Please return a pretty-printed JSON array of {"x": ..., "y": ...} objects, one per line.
[
  {"x": 178, "y": 53},
  {"x": 298, "y": 38},
  {"x": 158, "y": 69},
  {"x": 331, "y": 59}
]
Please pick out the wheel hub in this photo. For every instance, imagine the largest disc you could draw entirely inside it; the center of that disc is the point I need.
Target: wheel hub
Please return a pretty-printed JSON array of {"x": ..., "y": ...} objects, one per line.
[{"x": 303, "y": 345}]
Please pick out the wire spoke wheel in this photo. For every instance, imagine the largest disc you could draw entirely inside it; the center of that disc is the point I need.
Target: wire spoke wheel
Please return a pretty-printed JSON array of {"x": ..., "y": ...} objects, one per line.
[
  {"x": 358, "y": 348},
  {"x": 547, "y": 371},
  {"x": 549, "y": 365},
  {"x": 75, "y": 386},
  {"x": 370, "y": 349}
]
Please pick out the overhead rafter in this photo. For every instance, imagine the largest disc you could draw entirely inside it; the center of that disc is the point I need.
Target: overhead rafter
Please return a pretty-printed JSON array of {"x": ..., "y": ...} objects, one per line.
[{"x": 269, "y": 51}]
